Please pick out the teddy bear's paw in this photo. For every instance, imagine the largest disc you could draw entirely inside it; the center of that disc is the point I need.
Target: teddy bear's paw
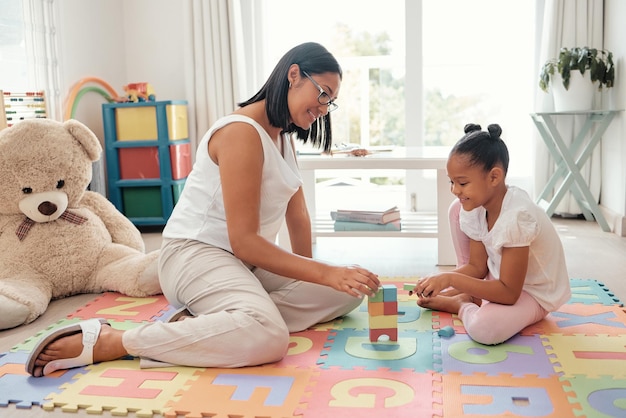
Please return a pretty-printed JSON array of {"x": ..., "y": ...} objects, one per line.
[
  {"x": 148, "y": 281},
  {"x": 12, "y": 313}
]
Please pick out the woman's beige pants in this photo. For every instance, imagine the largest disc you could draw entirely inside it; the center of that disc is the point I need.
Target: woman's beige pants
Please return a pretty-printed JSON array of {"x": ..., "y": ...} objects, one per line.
[{"x": 242, "y": 315}]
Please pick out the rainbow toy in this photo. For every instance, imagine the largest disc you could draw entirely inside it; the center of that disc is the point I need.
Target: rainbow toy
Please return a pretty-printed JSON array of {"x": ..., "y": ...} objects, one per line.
[
  {"x": 135, "y": 92},
  {"x": 79, "y": 89}
]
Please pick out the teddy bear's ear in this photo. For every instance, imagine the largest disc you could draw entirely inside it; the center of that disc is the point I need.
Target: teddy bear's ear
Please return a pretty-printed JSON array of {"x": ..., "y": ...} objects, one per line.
[{"x": 85, "y": 137}]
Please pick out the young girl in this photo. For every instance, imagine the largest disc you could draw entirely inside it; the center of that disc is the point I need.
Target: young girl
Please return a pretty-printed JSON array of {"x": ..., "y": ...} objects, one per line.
[{"x": 510, "y": 263}]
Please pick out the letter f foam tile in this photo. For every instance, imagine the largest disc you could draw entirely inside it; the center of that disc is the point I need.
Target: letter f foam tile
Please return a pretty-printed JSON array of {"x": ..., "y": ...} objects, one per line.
[{"x": 262, "y": 391}]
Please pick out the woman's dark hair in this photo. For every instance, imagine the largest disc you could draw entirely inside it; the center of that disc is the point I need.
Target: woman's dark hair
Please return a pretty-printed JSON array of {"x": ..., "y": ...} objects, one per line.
[
  {"x": 314, "y": 59},
  {"x": 485, "y": 149}
]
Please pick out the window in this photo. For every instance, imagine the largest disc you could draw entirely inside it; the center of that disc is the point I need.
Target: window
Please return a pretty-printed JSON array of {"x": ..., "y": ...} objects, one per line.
[
  {"x": 478, "y": 67},
  {"x": 28, "y": 50},
  {"x": 370, "y": 49},
  {"x": 475, "y": 63},
  {"x": 415, "y": 72},
  {"x": 14, "y": 69}
]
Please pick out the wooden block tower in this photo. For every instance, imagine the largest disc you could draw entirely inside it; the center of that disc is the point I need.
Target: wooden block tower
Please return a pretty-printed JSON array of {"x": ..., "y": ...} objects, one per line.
[{"x": 383, "y": 313}]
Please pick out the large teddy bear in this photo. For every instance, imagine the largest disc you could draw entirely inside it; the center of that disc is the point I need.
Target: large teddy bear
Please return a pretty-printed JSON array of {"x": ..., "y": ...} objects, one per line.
[{"x": 56, "y": 237}]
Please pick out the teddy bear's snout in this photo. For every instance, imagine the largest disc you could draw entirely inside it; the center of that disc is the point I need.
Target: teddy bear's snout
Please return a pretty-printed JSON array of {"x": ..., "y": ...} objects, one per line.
[
  {"x": 44, "y": 206},
  {"x": 47, "y": 208}
]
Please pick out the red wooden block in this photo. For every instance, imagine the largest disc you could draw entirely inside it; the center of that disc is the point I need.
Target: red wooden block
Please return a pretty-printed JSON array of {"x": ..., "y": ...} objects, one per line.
[
  {"x": 390, "y": 308},
  {"x": 375, "y": 334}
]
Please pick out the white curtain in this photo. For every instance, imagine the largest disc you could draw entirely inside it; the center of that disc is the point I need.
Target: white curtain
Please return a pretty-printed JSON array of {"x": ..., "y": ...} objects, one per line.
[
  {"x": 41, "y": 49},
  {"x": 221, "y": 59},
  {"x": 567, "y": 23}
]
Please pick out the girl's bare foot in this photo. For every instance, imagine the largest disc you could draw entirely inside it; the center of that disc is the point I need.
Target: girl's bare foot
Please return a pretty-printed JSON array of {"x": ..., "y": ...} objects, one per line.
[
  {"x": 450, "y": 304},
  {"x": 108, "y": 347}
]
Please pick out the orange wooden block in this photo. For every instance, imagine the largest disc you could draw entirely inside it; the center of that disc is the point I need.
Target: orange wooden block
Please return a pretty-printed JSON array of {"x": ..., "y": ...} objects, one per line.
[{"x": 376, "y": 308}]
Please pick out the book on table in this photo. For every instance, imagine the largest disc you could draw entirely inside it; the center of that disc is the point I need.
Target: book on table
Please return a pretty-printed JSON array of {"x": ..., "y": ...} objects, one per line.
[
  {"x": 367, "y": 226},
  {"x": 371, "y": 215}
]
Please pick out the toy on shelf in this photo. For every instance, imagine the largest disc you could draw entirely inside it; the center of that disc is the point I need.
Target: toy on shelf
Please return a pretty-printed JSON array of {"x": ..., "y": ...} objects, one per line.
[
  {"x": 78, "y": 91},
  {"x": 3, "y": 114},
  {"x": 382, "y": 310},
  {"x": 138, "y": 92},
  {"x": 17, "y": 106}
]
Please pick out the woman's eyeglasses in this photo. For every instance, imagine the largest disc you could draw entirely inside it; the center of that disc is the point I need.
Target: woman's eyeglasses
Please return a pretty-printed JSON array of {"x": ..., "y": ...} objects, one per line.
[{"x": 323, "y": 98}]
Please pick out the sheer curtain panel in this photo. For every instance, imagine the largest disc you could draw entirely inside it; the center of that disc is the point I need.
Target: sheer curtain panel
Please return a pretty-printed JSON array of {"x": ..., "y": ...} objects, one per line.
[{"x": 220, "y": 59}]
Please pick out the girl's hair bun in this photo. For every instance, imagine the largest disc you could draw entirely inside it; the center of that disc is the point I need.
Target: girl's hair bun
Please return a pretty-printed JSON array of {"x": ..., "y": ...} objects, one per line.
[
  {"x": 494, "y": 131},
  {"x": 471, "y": 127}
]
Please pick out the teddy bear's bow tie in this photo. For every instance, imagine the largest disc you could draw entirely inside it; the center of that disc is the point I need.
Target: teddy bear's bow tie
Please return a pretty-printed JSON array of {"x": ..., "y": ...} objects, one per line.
[{"x": 25, "y": 226}]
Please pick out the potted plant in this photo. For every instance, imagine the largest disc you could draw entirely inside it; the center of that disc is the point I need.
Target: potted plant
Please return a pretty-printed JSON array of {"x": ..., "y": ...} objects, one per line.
[{"x": 572, "y": 67}]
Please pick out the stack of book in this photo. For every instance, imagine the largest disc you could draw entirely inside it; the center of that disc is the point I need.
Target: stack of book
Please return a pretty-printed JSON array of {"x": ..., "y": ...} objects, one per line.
[{"x": 385, "y": 219}]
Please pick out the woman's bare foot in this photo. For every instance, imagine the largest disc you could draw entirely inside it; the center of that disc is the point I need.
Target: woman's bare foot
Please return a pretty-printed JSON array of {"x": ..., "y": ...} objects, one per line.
[
  {"x": 450, "y": 304},
  {"x": 180, "y": 315},
  {"x": 108, "y": 347}
]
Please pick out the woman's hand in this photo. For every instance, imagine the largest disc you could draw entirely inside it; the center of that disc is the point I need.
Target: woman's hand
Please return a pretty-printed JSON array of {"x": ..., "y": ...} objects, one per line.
[
  {"x": 353, "y": 280},
  {"x": 431, "y": 286}
]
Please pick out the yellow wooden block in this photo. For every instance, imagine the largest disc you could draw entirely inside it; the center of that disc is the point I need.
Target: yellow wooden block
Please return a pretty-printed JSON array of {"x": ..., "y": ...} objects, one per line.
[{"x": 385, "y": 321}]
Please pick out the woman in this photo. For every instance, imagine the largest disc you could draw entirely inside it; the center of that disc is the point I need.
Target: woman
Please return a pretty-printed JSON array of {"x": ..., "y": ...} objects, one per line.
[{"x": 238, "y": 292}]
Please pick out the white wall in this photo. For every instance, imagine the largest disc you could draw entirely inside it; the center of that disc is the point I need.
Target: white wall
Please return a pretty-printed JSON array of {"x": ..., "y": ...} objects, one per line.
[
  {"x": 613, "y": 192},
  {"x": 154, "y": 42},
  {"x": 91, "y": 42},
  {"x": 120, "y": 42}
]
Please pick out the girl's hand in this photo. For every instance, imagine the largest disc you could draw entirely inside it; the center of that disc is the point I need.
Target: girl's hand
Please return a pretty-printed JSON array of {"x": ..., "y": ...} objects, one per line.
[
  {"x": 432, "y": 285},
  {"x": 354, "y": 280}
]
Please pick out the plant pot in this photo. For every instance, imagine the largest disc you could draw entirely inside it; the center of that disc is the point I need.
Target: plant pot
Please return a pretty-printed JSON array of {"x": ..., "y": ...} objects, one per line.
[{"x": 579, "y": 96}]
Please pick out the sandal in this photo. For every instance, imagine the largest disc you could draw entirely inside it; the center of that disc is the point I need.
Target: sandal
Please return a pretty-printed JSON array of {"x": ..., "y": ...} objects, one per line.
[{"x": 90, "y": 330}]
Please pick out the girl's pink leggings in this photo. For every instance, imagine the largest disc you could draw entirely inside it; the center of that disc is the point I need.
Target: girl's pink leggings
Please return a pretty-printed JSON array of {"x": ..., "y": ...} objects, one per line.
[{"x": 491, "y": 323}]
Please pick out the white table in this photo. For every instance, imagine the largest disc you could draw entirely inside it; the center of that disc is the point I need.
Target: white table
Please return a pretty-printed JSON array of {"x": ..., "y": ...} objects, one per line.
[{"x": 413, "y": 224}]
